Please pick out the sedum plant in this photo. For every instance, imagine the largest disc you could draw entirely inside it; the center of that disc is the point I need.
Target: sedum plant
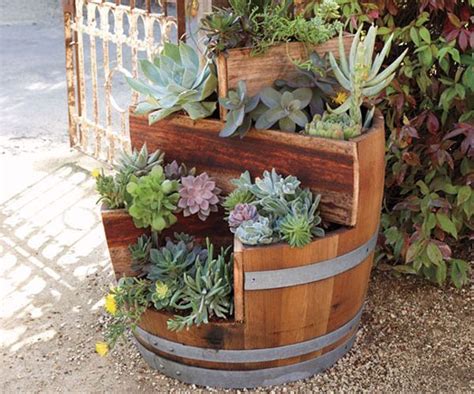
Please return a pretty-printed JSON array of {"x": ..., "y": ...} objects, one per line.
[
  {"x": 239, "y": 106},
  {"x": 334, "y": 126},
  {"x": 177, "y": 82},
  {"x": 198, "y": 195},
  {"x": 360, "y": 74},
  {"x": 154, "y": 200},
  {"x": 286, "y": 109}
]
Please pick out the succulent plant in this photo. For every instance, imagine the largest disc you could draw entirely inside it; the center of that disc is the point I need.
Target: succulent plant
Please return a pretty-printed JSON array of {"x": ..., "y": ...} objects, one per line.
[
  {"x": 140, "y": 253},
  {"x": 359, "y": 74},
  {"x": 139, "y": 163},
  {"x": 177, "y": 82},
  {"x": 154, "y": 200},
  {"x": 256, "y": 232},
  {"x": 239, "y": 106},
  {"x": 242, "y": 213},
  {"x": 175, "y": 171},
  {"x": 334, "y": 126},
  {"x": 198, "y": 195},
  {"x": 285, "y": 108},
  {"x": 206, "y": 293},
  {"x": 113, "y": 189},
  {"x": 237, "y": 196},
  {"x": 313, "y": 74},
  {"x": 273, "y": 184},
  {"x": 169, "y": 263}
]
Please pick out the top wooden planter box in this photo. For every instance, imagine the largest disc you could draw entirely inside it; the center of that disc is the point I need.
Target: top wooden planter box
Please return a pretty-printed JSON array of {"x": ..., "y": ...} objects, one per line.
[{"x": 263, "y": 70}]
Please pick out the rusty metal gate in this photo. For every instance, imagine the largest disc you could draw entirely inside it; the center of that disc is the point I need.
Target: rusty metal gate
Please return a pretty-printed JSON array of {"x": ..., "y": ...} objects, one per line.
[{"x": 103, "y": 40}]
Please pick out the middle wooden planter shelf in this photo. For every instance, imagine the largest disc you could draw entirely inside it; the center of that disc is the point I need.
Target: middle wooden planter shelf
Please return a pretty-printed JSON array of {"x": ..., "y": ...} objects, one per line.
[{"x": 296, "y": 310}]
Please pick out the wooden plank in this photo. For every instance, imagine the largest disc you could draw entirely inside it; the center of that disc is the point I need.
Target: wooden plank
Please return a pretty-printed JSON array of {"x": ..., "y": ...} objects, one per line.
[
  {"x": 278, "y": 62},
  {"x": 238, "y": 282},
  {"x": 325, "y": 166}
]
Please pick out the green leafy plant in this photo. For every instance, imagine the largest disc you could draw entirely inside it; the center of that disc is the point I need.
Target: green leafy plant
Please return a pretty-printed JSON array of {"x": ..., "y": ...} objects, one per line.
[
  {"x": 177, "y": 83},
  {"x": 237, "y": 196},
  {"x": 276, "y": 26},
  {"x": 154, "y": 200},
  {"x": 239, "y": 106},
  {"x": 286, "y": 109},
  {"x": 428, "y": 114},
  {"x": 112, "y": 189}
]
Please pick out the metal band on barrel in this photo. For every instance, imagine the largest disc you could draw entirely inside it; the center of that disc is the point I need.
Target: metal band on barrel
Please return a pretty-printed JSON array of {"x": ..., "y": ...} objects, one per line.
[
  {"x": 274, "y": 279},
  {"x": 247, "y": 355},
  {"x": 245, "y": 379}
]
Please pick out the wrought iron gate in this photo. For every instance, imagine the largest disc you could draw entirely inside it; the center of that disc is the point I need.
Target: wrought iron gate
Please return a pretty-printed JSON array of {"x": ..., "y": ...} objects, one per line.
[{"x": 104, "y": 38}]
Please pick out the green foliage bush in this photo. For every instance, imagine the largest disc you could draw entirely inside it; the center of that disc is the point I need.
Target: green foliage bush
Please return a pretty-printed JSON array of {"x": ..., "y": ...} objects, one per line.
[{"x": 429, "y": 112}]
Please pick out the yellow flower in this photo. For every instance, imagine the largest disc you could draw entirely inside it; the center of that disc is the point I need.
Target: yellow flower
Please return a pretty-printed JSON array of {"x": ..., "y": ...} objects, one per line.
[
  {"x": 102, "y": 348},
  {"x": 95, "y": 173},
  {"x": 111, "y": 304},
  {"x": 161, "y": 290},
  {"x": 340, "y": 97}
]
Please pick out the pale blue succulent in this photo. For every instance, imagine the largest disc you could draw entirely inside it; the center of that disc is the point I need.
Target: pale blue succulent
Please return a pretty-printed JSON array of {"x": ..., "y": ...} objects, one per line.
[{"x": 258, "y": 232}]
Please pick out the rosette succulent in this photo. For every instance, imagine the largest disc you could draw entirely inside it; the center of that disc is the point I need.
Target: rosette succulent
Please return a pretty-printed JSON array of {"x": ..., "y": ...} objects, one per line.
[
  {"x": 198, "y": 195},
  {"x": 239, "y": 105},
  {"x": 177, "y": 83},
  {"x": 242, "y": 213},
  {"x": 285, "y": 108},
  {"x": 154, "y": 200},
  {"x": 256, "y": 232},
  {"x": 176, "y": 171},
  {"x": 334, "y": 126},
  {"x": 236, "y": 197},
  {"x": 139, "y": 163}
]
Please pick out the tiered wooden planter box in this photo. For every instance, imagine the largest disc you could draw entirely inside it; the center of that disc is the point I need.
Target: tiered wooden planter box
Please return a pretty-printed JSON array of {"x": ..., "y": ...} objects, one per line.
[{"x": 296, "y": 310}]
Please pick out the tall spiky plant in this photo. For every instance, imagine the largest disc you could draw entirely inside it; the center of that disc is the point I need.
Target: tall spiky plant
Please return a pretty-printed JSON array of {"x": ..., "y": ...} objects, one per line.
[{"x": 359, "y": 74}]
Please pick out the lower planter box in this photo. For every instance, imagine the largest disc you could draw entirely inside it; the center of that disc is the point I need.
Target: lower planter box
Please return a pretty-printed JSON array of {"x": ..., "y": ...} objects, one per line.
[{"x": 120, "y": 232}]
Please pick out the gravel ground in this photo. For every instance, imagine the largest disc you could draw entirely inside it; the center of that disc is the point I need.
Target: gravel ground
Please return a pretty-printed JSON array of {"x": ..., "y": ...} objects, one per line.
[{"x": 55, "y": 269}]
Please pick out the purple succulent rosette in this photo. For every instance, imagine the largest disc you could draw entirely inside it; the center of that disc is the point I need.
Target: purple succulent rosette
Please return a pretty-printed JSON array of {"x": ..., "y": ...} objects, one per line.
[
  {"x": 242, "y": 213},
  {"x": 198, "y": 195}
]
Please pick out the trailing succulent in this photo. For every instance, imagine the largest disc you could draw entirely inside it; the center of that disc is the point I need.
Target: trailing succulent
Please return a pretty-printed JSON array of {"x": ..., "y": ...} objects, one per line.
[
  {"x": 198, "y": 195},
  {"x": 360, "y": 77},
  {"x": 279, "y": 211},
  {"x": 176, "y": 82},
  {"x": 154, "y": 200}
]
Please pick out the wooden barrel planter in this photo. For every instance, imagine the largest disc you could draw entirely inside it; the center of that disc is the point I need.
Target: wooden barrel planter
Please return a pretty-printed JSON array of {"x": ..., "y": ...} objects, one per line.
[
  {"x": 296, "y": 310},
  {"x": 262, "y": 70}
]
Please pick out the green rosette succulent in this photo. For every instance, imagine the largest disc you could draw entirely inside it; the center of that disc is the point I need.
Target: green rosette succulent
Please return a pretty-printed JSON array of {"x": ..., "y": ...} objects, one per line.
[
  {"x": 285, "y": 108},
  {"x": 334, "y": 126},
  {"x": 177, "y": 83},
  {"x": 154, "y": 200}
]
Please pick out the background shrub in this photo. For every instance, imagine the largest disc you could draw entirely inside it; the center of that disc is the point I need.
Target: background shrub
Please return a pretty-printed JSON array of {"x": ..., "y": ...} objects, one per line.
[{"x": 429, "y": 112}]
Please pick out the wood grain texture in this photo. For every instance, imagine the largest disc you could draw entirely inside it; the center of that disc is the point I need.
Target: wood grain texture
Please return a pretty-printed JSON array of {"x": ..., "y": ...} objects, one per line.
[
  {"x": 120, "y": 232},
  {"x": 325, "y": 166},
  {"x": 263, "y": 70}
]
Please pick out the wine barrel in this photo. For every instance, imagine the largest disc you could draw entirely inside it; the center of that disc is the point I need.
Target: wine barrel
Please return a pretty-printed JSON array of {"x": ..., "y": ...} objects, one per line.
[{"x": 296, "y": 309}]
